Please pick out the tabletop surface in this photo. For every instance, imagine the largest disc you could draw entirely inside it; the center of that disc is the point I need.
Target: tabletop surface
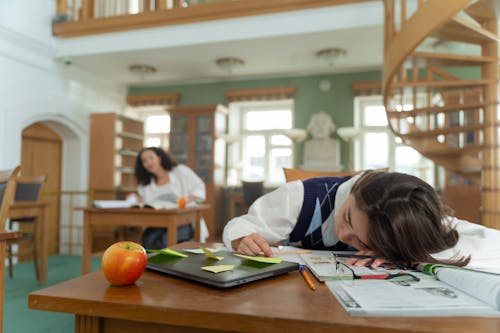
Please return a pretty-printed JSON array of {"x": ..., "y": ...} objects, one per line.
[
  {"x": 143, "y": 210},
  {"x": 284, "y": 302}
]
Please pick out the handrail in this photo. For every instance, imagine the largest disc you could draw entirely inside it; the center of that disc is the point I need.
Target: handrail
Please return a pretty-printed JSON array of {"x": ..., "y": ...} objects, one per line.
[
  {"x": 447, "y": 118},
  {"x": 89, "y": 17},
  {"x": 412, "y": 33}
]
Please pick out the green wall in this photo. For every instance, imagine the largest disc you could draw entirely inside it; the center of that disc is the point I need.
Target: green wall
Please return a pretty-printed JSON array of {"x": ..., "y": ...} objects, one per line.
[{"x": 309, "y": 99}]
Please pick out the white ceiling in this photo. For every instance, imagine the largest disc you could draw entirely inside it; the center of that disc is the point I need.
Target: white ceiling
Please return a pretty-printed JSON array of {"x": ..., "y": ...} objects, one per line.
[{"x": 273, "y": 45}]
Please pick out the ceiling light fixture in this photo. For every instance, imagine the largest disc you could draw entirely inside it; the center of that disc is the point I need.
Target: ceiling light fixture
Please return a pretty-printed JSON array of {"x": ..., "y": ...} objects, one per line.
[
  {"x": 229, "y": 64},
  {"x": 142, "y": 71},
  {"x": 331, "y": 55}
]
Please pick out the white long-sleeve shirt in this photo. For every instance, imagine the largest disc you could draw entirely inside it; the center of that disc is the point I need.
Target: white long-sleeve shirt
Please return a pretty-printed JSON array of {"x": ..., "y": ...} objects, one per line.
[
  {"x": 275, "y": 214},
  {"x": 183, "y": 182}
]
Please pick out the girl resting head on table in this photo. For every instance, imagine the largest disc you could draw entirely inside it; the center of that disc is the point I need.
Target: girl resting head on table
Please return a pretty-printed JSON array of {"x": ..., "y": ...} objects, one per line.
[{"x": 389, "y": 214}]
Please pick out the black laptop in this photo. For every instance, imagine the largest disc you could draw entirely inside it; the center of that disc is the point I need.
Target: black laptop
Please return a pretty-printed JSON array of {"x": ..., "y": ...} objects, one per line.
[{"x": 244, "y": 271}]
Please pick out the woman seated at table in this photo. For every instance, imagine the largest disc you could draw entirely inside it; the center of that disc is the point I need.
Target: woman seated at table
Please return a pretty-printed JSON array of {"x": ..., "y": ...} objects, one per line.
[{"x": 160, "y": 178}]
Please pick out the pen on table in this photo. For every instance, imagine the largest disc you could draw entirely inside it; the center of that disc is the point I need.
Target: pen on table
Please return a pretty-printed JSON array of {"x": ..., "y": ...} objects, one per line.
[{"x": 306, "y": 277}]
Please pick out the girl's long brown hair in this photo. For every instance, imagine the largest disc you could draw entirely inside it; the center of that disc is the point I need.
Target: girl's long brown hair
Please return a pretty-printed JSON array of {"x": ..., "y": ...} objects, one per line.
[{"x": 406, "y": 218}]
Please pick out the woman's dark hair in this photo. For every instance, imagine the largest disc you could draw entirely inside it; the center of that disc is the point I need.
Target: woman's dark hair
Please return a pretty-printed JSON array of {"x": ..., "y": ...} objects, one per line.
[
  {"x": 143, "y": 176},
  {"x": 406, "y": 218}
]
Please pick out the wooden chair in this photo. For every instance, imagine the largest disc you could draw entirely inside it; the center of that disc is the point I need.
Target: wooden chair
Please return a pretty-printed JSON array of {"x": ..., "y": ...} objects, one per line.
[
  {"x": 7, "y": 192},
  {"x": 251, "y": 191},
  {"x": 298, "y": 174},
  {"x": 8, "y": 180},
  {"x": 27, "y": 190}
]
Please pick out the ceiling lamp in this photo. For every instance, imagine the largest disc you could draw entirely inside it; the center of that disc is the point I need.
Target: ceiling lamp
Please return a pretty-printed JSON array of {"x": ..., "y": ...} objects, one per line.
[
  {"x": 331, "y": 55},
  {"x": 142, "y": 71},
  {"x": 229, "y": 64}
]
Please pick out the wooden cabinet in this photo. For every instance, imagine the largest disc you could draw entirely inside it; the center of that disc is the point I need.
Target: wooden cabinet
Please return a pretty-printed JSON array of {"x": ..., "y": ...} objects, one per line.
[
  {"x": 115, "y": 141},
  {"x": 193, "y": 142}
]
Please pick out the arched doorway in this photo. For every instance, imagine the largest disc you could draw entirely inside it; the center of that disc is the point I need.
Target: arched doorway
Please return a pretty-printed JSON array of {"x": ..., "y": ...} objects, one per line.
[
  {"x": 39, "y": 134},
  {"x": 41, "y": 154}
]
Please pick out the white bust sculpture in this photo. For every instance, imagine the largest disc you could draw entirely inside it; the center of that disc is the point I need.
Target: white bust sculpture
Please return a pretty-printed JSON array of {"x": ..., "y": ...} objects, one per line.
[{"x": 321, "y": 152}]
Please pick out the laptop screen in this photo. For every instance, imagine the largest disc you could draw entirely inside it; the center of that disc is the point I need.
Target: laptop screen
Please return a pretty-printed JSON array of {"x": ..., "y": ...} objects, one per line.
[{"x": 244, "y": 270}]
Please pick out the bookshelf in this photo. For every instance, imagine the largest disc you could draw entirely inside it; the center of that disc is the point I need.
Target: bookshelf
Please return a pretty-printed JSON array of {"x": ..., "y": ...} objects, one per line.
[
  {"x": 115, "y": 141},
  {"x": 193, "y": 142}
]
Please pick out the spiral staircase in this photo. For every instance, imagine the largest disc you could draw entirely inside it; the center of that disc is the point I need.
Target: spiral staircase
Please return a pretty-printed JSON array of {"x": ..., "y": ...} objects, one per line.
[{"x": 445, "y": 103}]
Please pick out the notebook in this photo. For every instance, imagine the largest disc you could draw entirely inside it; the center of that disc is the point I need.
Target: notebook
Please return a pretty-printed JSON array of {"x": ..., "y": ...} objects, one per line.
[{"x": 245, "y": 270}]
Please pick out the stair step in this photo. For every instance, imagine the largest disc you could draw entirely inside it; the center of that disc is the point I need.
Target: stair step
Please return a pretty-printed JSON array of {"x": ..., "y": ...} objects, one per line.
[
  {"x": 443, "y": 83},
  {"x": 461, "y": 30},
  {"x": 481, "y": 11},
  {"x": 454, "y": 151},
  {"x": 437, "y": 109},
  {"x": 441, "y": 131},
  {"x": 424, "y": 59}
]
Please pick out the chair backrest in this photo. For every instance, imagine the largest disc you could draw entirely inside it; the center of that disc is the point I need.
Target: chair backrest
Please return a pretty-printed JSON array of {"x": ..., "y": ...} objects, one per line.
[
  {"x": 298, "y": 174},
  {"x": 28, "y": 187},
  {"x": 251, "y": 191},
  {"x": 7, "y": 191}
]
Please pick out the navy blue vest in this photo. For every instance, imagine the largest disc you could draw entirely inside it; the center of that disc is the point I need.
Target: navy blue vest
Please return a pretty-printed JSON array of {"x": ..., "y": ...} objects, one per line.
[{"x": 318, "y": 204}]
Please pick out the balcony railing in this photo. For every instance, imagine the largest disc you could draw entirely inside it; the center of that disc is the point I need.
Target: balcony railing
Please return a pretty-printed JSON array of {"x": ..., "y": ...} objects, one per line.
[{"x": 86, "y": 17}]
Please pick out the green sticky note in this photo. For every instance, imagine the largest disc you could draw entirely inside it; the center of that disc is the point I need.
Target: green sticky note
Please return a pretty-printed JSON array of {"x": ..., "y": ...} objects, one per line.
[
  {"x": 218, "y": 268},
  {"x": 267, "y": 260},
  {"x": 168, "y": 252},
  {"x": 210, "y": 254}
]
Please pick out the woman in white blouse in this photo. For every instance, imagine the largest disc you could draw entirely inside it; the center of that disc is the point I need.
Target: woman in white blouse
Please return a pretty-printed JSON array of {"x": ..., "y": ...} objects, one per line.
[{"x": 160, "y": 178}]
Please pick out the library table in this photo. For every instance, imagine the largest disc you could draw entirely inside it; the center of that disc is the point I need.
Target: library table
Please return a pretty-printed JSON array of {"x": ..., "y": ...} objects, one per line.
[
  {"x": 137, "y": 217},
  {"x": 160, "y": 303}
]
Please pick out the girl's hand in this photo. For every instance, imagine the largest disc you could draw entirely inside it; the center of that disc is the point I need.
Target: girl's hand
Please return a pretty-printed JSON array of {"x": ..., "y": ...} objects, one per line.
[
  {"x": 372, "y": 262},
  {"x": 252, "y": 245}
]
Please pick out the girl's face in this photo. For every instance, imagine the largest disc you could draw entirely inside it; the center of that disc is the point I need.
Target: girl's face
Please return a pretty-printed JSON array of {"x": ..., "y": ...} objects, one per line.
[
  {"x": 150, "y": 161},
  {"x": 351, "y": 225}
]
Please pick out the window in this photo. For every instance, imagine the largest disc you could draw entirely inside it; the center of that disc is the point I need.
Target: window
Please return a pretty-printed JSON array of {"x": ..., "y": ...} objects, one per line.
[
  {"x": 156, "y": 124},
  {"x": 156, "y": 129},
  {"x": 262, "y": 149},
  {"x": 377, "y": 147}
]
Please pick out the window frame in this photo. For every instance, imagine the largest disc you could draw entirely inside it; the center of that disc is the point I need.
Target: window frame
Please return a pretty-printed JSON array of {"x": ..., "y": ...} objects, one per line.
[
  {"x": 393, "y": 141},
  {"x": 237, "y": 126}
]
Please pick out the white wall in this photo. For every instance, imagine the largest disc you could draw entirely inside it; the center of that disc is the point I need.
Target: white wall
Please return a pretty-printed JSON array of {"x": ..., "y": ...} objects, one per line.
[{"x": 34, "y": 87}]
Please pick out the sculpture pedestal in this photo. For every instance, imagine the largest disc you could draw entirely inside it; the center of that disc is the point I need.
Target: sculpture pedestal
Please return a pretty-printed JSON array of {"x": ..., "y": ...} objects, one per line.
[{"x": 322, "y": 155}]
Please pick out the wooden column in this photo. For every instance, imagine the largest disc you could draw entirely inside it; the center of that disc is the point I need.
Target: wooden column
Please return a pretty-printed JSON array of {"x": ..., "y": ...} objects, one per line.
[
  {"x": 490, "y": 181},
  {"x": 61, "y": 7}
]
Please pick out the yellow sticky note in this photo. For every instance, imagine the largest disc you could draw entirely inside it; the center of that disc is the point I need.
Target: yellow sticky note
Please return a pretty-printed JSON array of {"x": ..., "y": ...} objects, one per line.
[
  {"x": 210, "y": 254},
  {"x": 168, "y": 252},
  {"x": 267, "y": 260},
  {"x": 218, "y": 268},
  {"x": 200, "y": 251}
]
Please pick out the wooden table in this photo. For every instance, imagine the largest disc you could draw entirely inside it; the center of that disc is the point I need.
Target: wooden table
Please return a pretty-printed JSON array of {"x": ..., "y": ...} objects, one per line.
[
  {"x": 138, "y": 217},
  {"x": 159, "y": 303},
  {"x": 38, "y": 210},
  {"x": 4, "y": 237}
]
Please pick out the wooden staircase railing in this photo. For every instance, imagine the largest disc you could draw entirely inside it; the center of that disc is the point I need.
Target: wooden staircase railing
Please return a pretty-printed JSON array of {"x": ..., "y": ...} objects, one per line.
[
  {"x": 445, "y": 104},
  {"x": 88, "y": 17}
]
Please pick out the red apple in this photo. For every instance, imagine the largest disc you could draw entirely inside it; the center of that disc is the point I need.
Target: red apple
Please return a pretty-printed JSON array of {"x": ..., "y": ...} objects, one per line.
[{"x": 123, "y": 263}]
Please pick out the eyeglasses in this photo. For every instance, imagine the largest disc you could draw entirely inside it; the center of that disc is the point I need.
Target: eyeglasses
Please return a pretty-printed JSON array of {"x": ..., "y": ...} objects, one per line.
[{"x": 344, "y": 269}]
